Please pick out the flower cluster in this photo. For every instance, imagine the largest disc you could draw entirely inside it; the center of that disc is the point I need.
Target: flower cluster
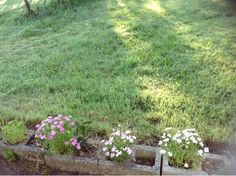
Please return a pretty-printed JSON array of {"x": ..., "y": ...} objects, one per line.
[
  {"x": 184, "y": 148},
  {"x": 118, "y": 146},
  {"x": 62, "y": 128}
]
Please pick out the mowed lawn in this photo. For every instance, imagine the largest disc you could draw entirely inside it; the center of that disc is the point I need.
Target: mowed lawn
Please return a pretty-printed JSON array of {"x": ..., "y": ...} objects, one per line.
[{"x": 144, "y": 64}]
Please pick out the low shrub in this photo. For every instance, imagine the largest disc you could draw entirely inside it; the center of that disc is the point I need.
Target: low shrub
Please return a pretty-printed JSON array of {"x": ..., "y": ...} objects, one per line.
[
  {"x": 14, "y": 132},
  {"x": 183, "y": 148},
  {"x": 9, "y": 155},
  {"x": 59, "y": 134},
  {"x": 118, "y": 146}
]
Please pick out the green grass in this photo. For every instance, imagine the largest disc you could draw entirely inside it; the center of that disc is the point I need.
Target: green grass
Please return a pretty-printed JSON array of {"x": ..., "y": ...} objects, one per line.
[{"x": 144, "y": 64}]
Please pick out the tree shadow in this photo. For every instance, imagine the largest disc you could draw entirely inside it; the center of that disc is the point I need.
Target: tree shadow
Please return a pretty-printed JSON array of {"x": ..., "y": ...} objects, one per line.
[
  {"x": 70, "y": 62},
  {"x": 175, "y": 65},
  {"x": 117, "y": 62}
]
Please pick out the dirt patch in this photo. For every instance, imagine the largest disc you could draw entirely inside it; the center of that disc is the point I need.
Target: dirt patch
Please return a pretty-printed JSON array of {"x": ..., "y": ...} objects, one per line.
[
  {"x": 217, "y": 147},
  {"x": 145, "y": 161},
  {"x": 23, "y": 167},
  {"x": 87, "y": 150}
]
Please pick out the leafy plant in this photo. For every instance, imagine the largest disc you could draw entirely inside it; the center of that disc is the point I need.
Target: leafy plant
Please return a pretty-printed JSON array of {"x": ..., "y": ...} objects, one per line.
[
  {"x": 59, "y": 134},
  {"x": 183, "y": 148},
  {"x": 9, "y": 155},
  {"x": 83, "y": 125},
  {"x": 118, "y": 146},
  {"x": 14, "y": 132}
]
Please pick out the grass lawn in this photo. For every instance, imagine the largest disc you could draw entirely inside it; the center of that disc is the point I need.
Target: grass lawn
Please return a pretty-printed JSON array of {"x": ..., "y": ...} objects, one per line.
[{"x": 144, "y": 64}]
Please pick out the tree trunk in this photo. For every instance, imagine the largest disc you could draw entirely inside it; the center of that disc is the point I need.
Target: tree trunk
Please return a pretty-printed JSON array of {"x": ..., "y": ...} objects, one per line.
[{"x": 30, "y": 12}]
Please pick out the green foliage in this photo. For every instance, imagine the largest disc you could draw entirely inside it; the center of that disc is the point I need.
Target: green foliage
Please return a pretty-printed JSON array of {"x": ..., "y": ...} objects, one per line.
[
  {"x": 183, "y": 148},
  {"x": 83, "y": 128},
  {"x": 14, "y": 132},
  {"x": 9, "y": 155},
  {"x": 118, "y": 146},
  {"x": 59, "y": 134},
  {"x": 57, "y": 145},
  {"x": 143, "y": 64}
]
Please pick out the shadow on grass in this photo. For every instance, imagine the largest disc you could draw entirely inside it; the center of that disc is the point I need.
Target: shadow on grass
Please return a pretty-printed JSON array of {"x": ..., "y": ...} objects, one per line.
[
  {"x": 143, "y": 64},
  {"x": 69, "y": 62},
  {"x": 181, "y": 69}
]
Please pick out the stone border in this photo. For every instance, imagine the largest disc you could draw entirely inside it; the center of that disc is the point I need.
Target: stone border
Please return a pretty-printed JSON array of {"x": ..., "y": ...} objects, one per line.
[{"x": 99, "y": 165}]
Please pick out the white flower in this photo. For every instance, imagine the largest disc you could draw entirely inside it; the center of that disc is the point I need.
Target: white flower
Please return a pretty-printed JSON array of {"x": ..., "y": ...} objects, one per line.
[
  {"x": 163, "y": 135},
  {"x": 131, "y": 140},
  {"x": 178, "y": 135},
  {"x": 170, "y": 154},
  {"x": 123, "y": 136},
  {"x": 162, "y": 151},
  {"x": 166, "y": 140},
  {"x": 179, "y": 141},
  {"x": 113, "y": 149},
  {"x": 107, "y": 153},
  {"x": 199, "y": 139},
  {"x": 169, "y": 135},
  {"x": 200, "y": 152},
  {"x": 127, "y": 132},
  {"x": 112, "y": 155},
  {"x": 104, "y": 149},
  {"x": 116, "y": 133},
  {"x": 110, "y": 141},
  {"x": 186, "y": 165},
  {"x": 206, "y": 150},
  {"x": 126, "y": 148},
  {"x": 192, "y": 138},
  {"x": 169, "y": 128},
  {"x": 118, "y": 153},
  {"x": 129, "y": 151},
  {"x": 201, "y": 144},
  {"x": 134, "y": 137},
  {"x": 160, "y": 142}
]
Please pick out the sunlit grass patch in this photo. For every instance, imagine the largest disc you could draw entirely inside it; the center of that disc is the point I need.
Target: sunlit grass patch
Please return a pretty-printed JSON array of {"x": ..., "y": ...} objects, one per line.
[{"x": 143, "y": 64}]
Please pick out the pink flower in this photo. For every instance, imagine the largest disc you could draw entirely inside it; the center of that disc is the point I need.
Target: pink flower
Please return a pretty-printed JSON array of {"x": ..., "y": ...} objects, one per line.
[
  {"x": 50, "y": 138},
  {"x": 74, "y": 142},
  {"x": 62, "y": 129},
  {"x": 37, "y": 126},
  {"x": 42, "y": 137},
  {"x": 53, "y": 133},
  {"x": 49, "y": 120},
  {"x": 78, "y": 146},
  {"x": 72, "y": 123},
  {"x": 53, "y": 126},
  {"x": 55, "y": 122},
  {"x": 61, "y": 123},
  {"x": 59, "y": 116},
  {"x": 67, "y": 118},
  {"x": 59, "y": 126}
]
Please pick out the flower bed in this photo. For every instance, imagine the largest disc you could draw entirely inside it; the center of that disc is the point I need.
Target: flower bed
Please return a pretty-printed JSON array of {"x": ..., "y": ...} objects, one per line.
[
  {"x": 115, "y": 155},
  {"x": 98, "y": 165}
]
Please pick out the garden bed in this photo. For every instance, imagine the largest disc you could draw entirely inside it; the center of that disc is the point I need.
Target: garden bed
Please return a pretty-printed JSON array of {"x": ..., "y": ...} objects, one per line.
[{"x": 146, "y": 160}]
